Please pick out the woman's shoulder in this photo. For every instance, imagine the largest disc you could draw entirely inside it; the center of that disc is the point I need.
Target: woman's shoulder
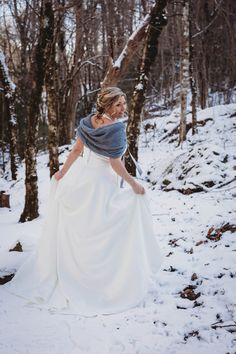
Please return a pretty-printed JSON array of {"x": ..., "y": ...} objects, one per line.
[
  {"x": 85, "y": 124},
  {"x": 103, "y": 124}
]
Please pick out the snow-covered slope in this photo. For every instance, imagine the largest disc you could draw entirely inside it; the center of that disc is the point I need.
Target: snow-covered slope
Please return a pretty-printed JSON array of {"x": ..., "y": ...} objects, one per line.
[
  {"x": 205, "y": 162},
  {"x": 191, "y": 306}
]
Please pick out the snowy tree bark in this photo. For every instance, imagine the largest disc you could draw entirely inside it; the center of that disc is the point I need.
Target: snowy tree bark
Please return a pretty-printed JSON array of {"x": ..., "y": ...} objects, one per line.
[
  {"x": 117, "y": 69},
  {"x": 204, "y": 62},
  {"x": 156, "y": 24},
  {"x": 10, "y": 99},
  {"x": 72, "y": 97},
  {"x": 37, "y": 74},
  {"x": 50, "y": 82},
  {"x": 184, "y": 71},
  {"x": 26, "y": 29},
  {"x": 192, "y": 70},
  {"x": 62, "y": 86}
]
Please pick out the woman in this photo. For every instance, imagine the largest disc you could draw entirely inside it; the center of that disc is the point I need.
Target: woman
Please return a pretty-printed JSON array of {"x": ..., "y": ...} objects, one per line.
[{"x": 97, "y": 252}]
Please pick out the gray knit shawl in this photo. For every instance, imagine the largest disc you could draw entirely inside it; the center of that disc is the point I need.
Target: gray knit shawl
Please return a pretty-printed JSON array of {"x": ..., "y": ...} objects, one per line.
[{"x": 108, "y": 140}]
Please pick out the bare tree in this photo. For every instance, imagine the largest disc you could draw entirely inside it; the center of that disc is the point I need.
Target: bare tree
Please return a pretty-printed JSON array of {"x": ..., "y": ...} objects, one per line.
[
  {"x": 37, "y": 74},
  {"x": 73, "y": 77},
  {"x": 156, "y": 24},
  {"x": 184, "y": 71},
  {"x": 62, "y": 81},
  {"x": 50, "y": 83},
  {"x": 192, "y": 69},
  {"x": 118, "y": 68},
  {"x": 10, "y": 99}
]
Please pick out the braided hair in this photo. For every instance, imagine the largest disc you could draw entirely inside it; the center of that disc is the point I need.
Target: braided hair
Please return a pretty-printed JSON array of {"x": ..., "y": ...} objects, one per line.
[{"x": 106, "y": 98}]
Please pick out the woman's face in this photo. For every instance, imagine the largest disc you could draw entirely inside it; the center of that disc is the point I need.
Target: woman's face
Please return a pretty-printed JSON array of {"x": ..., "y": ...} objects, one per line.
[{"x": 118, "y": 108}]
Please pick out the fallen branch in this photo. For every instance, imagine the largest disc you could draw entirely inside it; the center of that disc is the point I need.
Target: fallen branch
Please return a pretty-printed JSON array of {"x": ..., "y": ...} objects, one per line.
[
  {"x": 216, "y": 234},
  {"x": 186, "y": 191},
  {"x": 231, "y": 327},
  {"x": 188, "y": 127},
  {"x": 200, "y": 188}
]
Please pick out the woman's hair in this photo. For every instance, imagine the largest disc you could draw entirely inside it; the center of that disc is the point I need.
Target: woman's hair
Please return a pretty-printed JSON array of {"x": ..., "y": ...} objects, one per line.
[{"x": 106, "y": 98}]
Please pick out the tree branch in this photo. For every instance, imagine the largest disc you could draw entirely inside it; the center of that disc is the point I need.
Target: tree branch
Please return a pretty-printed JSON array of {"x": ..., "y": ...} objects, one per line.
[
  {"x": 117, "y": 68},
  {"x": 214, "y": 17}
]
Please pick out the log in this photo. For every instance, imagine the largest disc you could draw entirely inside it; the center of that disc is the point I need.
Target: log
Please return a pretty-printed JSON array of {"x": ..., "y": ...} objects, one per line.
[{"x": 4, "y": 200}]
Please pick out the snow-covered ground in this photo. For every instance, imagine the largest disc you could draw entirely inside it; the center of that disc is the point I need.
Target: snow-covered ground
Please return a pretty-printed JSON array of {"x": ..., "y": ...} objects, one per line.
[{"x": 166, "y": 322}]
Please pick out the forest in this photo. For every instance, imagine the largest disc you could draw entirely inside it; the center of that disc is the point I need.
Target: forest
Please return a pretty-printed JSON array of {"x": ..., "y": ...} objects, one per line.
[
  {"x": 56, "y": 56},
  {"x": 175, "y": 61}
]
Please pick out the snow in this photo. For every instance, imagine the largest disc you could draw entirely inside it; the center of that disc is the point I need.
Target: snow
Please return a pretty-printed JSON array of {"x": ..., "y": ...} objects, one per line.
[
  {"x": 139, "y": 87},
  {"x": 6, "y": 72},
  {"x": 123, "y": 54},
  {"x": 120, "y": 59},
  {"x": 209, "y": 156},
  {"x": 10, "y": 83},
  {"x": 165, "y": 323}
]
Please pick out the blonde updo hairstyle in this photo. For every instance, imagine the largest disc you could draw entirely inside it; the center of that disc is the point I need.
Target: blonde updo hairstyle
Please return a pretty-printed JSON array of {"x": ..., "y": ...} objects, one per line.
[{"x": 106, "y": 98}]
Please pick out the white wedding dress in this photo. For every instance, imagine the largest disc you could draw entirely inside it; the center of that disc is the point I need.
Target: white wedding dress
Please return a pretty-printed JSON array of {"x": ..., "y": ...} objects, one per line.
[{"x": 97, "y": 252}]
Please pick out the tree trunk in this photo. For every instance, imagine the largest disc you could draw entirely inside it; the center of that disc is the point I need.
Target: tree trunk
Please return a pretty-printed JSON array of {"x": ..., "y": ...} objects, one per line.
[
  {"x": 10, "y": 98},
  {"x": 192, "y": 71},
  {"x": 50, "y": 82},
  {"x": 62, "y": 75},
  {"x": 37, "y": 74},
  {"x": 118, "y": 68},
  {"x": 204, "y": 62},
  {"x": 74, "y": 79},
  {"x": 156, "y": 24},
  {"x": 184, "y": 71}
]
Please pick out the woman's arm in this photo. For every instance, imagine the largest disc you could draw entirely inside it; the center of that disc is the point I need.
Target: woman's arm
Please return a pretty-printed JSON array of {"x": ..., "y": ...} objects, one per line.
[
  {"x": 73, "y": 155},
  {"x": 120, "y": 169}
]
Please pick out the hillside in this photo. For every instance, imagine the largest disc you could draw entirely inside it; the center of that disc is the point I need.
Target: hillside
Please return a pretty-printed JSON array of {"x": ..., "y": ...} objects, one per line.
[{"x": 191, "y": 305}]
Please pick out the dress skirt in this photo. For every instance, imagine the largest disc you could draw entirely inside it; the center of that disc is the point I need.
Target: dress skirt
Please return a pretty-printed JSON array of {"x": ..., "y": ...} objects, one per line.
[{"x": 97, "y": 251}]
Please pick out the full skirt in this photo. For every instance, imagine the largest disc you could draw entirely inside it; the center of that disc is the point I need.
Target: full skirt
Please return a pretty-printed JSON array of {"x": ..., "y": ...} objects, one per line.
[{"x": 97, "y": 252}]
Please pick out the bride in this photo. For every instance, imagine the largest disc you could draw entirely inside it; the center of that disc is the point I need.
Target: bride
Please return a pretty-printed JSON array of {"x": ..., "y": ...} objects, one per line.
[{"x": 97, "y": 251}]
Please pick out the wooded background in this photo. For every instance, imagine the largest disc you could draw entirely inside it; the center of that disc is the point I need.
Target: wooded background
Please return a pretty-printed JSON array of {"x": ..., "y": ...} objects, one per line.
[{"x": 56, "y": 55}]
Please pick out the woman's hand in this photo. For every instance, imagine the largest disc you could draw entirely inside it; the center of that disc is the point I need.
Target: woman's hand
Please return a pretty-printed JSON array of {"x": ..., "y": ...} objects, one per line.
[
  {"x": 120, "y": 169},
  {"x": 138, "y": 188},
  {"x": 58, "y": 175},
  {"x": 73, "y": 155}
]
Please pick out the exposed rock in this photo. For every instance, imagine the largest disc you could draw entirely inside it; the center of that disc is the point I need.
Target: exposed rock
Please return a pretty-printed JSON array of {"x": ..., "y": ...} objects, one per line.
[
  {"x": 194, "y": 276},
  {"x": 188, "y": 293},
  {"x": 6, "y": 278},
  {"x": 17, "y": 248}
]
